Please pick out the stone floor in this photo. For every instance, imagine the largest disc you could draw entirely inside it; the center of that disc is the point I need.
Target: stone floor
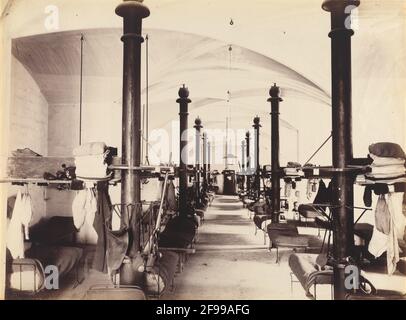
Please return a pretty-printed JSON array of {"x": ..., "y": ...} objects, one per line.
[{"x": 232, "y": 262}]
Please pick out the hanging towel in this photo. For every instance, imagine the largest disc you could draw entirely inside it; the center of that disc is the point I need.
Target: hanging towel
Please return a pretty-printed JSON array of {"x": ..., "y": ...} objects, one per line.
[
  {"x": 78, "y": 209},
  {"x": 288, "y": 189},
  {"x": 382, "y": 242},
  {"x": 171, "y": 196},
  {"x": 395, "y": 204},
  {"x": 102, "y": 223},
  {"x": 26, "y": 214},
  {"x": 15, "y": 237},
  {"x": 84, "y": 207},
  {"x": 382, "y": 216},
  {"x": 90, "y": 206},
  {"x": 378, "y": 244}
]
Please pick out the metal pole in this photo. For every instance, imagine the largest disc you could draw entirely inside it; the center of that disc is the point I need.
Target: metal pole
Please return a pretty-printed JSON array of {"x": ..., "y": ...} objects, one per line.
[
  {"x": 205, "y": 161},
  {"x": 257, "y": 165},
  {"x": 342, "y": 183},
  {"x": 183, "y": 151},
  {"x": 82, "y": 39},
  {"x": 248, "y": 170},
  {"x": 274, "y": 92},
  {"x": 132, "y": 12},
  {"x": 147, "y": 99},
  {"x": 243, "y": 164},
  {"x": 198, "y": 126}
]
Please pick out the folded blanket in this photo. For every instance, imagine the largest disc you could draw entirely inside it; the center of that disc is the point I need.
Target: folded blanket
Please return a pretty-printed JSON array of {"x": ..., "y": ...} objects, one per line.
[
  {"x": 392, "y": 170},
  {"x": 387, "y": 149},
  {"x": 294, "y": 165},
  {"x": 386, "y": 179},
  {"x": 92, "y": 148},
  {"x": 293, "y": 172},
  {"x": 91, "y": 166},
  {"x": 386, "y": 161}
]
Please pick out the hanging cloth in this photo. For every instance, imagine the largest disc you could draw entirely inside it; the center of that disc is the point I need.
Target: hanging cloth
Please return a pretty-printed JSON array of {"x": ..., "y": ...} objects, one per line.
[
  {"x": 26, "y": 213},
  {"x": 15, "y": 237},
  {"x": 382, "y": 216},
  {"x": 390, "y": 219},
  {"x": 84, "y": 207},
  {"x": 171, "y": 196}
]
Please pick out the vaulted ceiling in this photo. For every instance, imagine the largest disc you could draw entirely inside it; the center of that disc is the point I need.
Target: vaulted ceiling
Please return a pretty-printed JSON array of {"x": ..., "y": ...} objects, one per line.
[{"x": 271, "y": 41}]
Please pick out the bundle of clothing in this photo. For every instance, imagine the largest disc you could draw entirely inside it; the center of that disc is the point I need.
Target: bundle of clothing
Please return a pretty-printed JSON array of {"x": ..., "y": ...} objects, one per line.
[
  {"x": 293, "y": 169},
  {"x": 90, "y": 160},
  {"x": 388, "y": 164}
]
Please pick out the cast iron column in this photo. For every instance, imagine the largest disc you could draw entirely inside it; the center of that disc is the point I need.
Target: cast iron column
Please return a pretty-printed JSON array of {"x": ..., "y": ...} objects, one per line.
[
  {"x": 343, "y": 198},
  {"x": 132, "y": 12},
  {"x": 183, "y": 151},
  {"x": 243, "y": 164},
  {"x": 209, "y": 162},
  {"x": 205, "y": 161},
  {"x": 274, "y": 92},
  {"x": 257, "y": 166},
  {"x": 198, "y": 126},
  {"x": 248, "y": 170}
]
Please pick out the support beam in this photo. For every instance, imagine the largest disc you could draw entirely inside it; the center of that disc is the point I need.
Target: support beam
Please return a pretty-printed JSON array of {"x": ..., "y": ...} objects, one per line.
[
  {"x": 132, "y": 13},
  {"x": 274, "y": 92},
  {"x": 198, "y": 126},
  {"x": 248, "y": 169},
  {"x": 342, "y": 183},
  {"x": 209, "y": 160},
  {"x": 205, "y": 161},
  {"x": 183, "y": 150},
  {"x": 257, "y": 178},
  {"x": 243, "y": 164}
]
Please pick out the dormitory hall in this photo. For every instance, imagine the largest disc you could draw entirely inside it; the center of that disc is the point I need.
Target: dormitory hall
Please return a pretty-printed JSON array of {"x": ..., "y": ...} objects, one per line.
[{"x": 202, "y": 150}]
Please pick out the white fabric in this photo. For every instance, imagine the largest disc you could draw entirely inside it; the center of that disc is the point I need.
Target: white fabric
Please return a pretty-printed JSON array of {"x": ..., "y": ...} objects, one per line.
[
  {"x": 151, "y": 190},
  {"x": 78, "y": 209},
  {"x": 90, "y": 206},
  {"x": 91, "y": 166},
  {"x": 26, "y": 214},
  {"x": 84, "y": 207},
  {"x": 380, "y": 242},
  {"x": 393, "y": 170},
  {"x": 385, "y": 161},
  {"x": 386, "y": 180},
  {"x": 92, "y": 148},
  {"x": 293, "y": 172},
  {"x": 15, "y": 237}
]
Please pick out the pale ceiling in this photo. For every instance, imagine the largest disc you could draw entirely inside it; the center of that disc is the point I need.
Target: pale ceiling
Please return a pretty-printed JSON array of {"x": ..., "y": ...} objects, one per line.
[{"x": 272, "y": 41}]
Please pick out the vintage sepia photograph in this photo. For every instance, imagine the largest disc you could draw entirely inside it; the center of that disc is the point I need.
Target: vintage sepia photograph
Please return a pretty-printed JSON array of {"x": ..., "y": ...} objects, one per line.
[{"x": 174, "y": 150}]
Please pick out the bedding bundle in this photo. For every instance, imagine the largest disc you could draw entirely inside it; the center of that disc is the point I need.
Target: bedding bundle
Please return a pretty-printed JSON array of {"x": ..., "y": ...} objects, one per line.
[
  {"x": 293, "y": 169},
  {"x": 388, "y": 164},
  {"x": 90, "y": 160}
]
